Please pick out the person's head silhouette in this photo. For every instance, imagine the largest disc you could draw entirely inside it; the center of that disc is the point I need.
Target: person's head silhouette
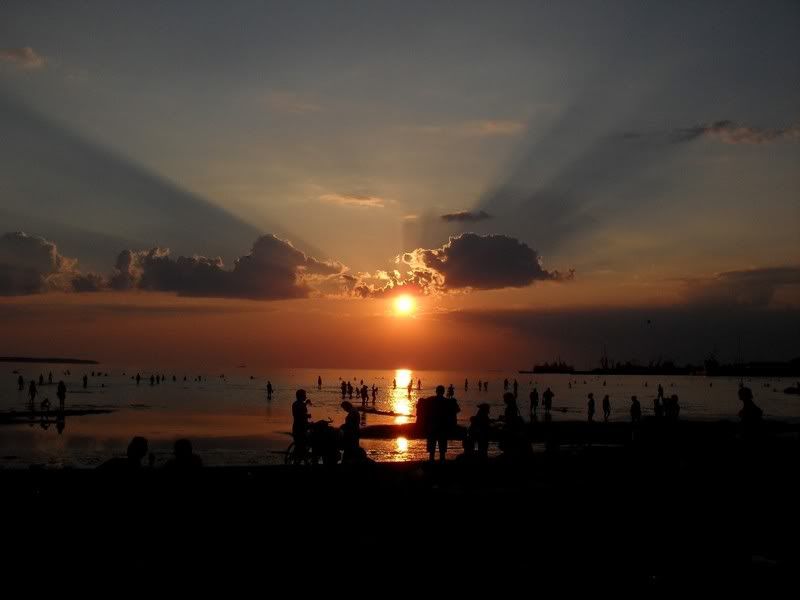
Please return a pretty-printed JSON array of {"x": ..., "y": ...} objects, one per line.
[
  {"x": 137, "y": 449},
  {"x": 300, "y": 395},
  {"x": 440, "y": 390}
]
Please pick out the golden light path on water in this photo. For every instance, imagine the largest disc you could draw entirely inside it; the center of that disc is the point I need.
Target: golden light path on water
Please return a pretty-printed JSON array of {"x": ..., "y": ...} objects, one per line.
[{"x": 401, "y": 403}]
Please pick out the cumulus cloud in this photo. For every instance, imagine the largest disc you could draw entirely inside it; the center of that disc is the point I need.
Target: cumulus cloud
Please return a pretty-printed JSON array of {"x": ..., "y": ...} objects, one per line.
[
  {"x": 23, "y": 58},
  {"x": 467, "y": 261},
  {"x": 466, "y": 216},
  {"x": 273, "y": 270},
  {"x": 479, "y": 128},
  {"x": 32, "y": 265},
  {"x": 356, "y": 200},
  {"x": 754, "y": 288},
  {"x": 731, "y": 132}
]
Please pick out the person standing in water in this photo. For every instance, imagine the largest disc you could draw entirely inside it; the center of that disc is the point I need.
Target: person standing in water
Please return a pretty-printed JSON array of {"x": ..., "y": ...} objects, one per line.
[
  {"x": 20, "y": 383},
  {"x": 344, "y": 389},
  {"x": 85, "y": 382},
  {"x": 534, "y": 402},
  {"x": 61, "y": 394},
  {"x": 269, "y": 390},
  {"x": 394, "y": 384},
  {"x": 516, "y": 388},
  {"x": 548, "y": 400},
  {"x": 32, "y": 391},
  {"x": 466, "y": 384},
  {"x": 300, "y": 419},
  {"x": 606, "y": 407},
  {"x": 590, "y": 407},
  {"x": 419, "y": 384},
  {"x": 636, "y": 410},
  {"x": 319, "y": 382}
]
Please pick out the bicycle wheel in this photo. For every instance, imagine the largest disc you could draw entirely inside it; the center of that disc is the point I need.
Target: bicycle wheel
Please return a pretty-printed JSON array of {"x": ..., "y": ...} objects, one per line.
[{"x": 290, "y": 454}]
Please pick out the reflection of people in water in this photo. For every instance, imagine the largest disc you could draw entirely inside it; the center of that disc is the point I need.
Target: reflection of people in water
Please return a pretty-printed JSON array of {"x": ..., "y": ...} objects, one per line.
[
  {"x": 60, "y": 422},
  {"x": 20, "y": 383}
]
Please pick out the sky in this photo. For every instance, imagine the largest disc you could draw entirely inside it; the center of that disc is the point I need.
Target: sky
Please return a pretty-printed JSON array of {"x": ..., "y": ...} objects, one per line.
[{"x": 199, "y": 183}]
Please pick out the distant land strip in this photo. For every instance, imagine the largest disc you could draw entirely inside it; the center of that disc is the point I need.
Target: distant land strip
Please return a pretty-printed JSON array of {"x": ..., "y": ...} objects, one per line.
[{"x": 55, "y": 361}]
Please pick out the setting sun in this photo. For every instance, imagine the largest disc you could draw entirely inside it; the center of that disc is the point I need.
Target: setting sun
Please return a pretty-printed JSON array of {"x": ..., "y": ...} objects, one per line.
[{"x": 404, "y": 305}]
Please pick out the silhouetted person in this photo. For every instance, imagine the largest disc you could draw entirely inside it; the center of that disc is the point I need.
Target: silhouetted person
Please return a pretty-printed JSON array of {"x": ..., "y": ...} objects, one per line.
[
  {"x": 534, "y": 396},
  {"x": 319, "y": 382},
  {"x": 20, "y": 383},
  {"x": 394, "y": 384},
  {"x": 61, "y": 422},
  {"x": 485, "y": 386},
  {"x": 478, "y": 432},
  {"x": 658, "y": 407},
  {"x": 514, "y": 440},
  {"x": 269, "y": 390},
  {"x": 41, "y": 380},
  {"x": 505, "y": 385},
  {"x": 374, "y": 393},
  {"x": 590, "y": 408},
  {"x": 364, "y": 395},
  {"x": 660, "y": 391},
  {"x": 349, "y": 389},
  {"x": 85, "y": 382},
  {"x": 137, "y": 450},
  {"x": 636, "y": 410},
  {"x": 350, "y": 433},
  {"x": 480, "y": 386},
  {"x": 32, "y": 391},
  {"x": 750, "y": 414},
  {"x": 672, "y": 408},
  {"x": 451, "y": 391},
  {"x": 410, "y": 387},
  {"x": 516, "y": 388},
  {"x": 61, "y": 394},
  {"x": 606, "y": 407},
  {"x": 138, "y": 378},
  {"x": 466, "y": 385},
  {"x": 344, "y": 389},
  {"x": 439, "y": 414},
  {"x": 183, "y": 459},
  {"x": 419, "y": 384},
  {"x": 50, "y": 378},
  {"x": 300, "y": 419},
  {"x": 547, "y": 397}
]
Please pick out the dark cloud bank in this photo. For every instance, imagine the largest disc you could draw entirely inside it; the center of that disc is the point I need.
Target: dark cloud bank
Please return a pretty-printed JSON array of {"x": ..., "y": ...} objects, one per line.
[{"x": 274, "y": 269}]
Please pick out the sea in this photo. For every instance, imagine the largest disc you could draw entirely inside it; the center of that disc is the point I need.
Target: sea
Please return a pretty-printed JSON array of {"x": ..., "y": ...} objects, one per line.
[{"x": 231, "y": 422}]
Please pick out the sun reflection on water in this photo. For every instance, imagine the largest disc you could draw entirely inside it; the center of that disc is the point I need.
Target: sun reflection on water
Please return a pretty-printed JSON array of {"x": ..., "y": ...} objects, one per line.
[
  {"x": 400, "y": 400},
  {"x": 401, "y": 445}
]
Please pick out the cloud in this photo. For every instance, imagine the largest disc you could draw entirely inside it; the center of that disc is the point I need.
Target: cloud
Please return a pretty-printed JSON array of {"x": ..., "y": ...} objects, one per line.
[
  {"x": 479, "y": 128},
  {"x": 23, "y": 58},
  {"x": 749, "y": 288},
  {"x": 32, "y": 265},
  {"x": 273, "y": 270},
  {"x": 357, "y": 200},
  {"x": 289, "y": 102},
  {"x": 466, "y": 216},
  {"x": 466, "y": 262},
  {"x": 730, "y": 132}
]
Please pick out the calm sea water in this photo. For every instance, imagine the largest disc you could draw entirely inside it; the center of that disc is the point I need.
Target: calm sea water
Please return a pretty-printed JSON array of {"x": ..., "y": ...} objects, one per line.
[{"x": 231, "y": 422}]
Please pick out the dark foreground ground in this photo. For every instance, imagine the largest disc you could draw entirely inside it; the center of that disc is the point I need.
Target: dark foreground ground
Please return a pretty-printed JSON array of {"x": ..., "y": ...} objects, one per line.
[{"x": 655, "y": 515}]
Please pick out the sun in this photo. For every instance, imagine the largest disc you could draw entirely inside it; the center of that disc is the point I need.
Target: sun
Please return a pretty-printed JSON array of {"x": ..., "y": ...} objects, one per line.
[{"x": 404, "y": 305}]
